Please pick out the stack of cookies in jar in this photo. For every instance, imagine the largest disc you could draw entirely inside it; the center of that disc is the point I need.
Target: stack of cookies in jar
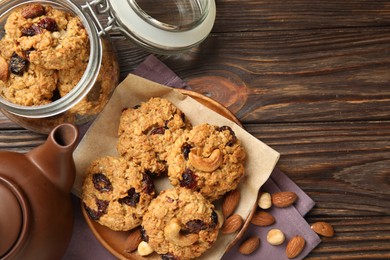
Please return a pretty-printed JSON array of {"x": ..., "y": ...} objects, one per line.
[{"x": 203, "y": 163}]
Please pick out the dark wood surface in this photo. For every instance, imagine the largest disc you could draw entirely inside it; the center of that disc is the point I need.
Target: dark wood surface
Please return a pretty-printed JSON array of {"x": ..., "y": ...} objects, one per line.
[{"x": 312, "y": 80}]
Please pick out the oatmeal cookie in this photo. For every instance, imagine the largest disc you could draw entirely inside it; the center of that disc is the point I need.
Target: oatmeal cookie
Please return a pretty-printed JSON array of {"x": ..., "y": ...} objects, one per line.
[
  {"x": 208, "y": 159},
  {"x": 147, "y": 132},
  {"x": 32, "y": 87},
  {"x": 50, "y": 38},
  {"x": 180, "y": 224},
  {"x": 42, "y": 48},
  {"x": 99, "y": 95},
  {"x": 116, "y": 193}
]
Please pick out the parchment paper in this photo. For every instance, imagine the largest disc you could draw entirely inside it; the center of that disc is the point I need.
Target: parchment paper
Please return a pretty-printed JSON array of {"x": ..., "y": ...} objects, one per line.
[{"x": 100, "y": 140}]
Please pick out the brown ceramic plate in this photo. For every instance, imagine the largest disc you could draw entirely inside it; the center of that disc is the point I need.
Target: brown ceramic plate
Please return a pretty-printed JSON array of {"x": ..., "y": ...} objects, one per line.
[{"x": 115, "y": 241}]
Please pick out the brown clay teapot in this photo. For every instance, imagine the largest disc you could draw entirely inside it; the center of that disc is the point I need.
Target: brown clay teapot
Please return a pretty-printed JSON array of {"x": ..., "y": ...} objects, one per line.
[{"x": 36, "y": 216}]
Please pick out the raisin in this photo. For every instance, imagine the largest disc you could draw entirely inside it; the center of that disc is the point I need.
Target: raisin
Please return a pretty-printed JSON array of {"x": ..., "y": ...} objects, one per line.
[
  {"x": 56, "y": 95},
  {"x": 32, "y": 11},
  {"x": 102, "y": 209},
  {"x": 157, "y": 131},
  {"x": 150, "y": 173},
  {"x": 233, "y": 140},
  {"x": 169, "y": 256},
  {"x": 131, "y": 199},
  {"x": 101, "y": 182},
  {"x": 195, "y": 226},
  {"x": 144, "y": 237},
  {"x": 92, "y": 213},
  {"x": 48, "y": 24},
  {"x": 17, "y": 64},
  {"x": 183, "y": 117},
  {"x": 27, "y": 52},
  {"x": 214, "y": 219},
  {"x": 148, "y": 184},
  {"x": 188, "y": 179},
  {"x": 186, "y": 149},
  {"x": 170, "y": 200},
  {"x": 102, "y": 205},
  {"x": 28, "y": 31},
  {"x": 81, "y": 26},
  {"x": 32, "y": 30}
]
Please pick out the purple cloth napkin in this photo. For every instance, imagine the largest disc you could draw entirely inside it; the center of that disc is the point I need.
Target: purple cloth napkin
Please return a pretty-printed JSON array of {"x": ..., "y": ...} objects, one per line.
[
  {"x": 153, "y": 69},
  {"x": 84, "y": 245}
]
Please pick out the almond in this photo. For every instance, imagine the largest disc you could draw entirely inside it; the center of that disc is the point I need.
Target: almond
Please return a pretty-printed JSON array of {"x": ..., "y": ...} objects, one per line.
[
  {"x": 295, "y": 246},
  {"x": 133, "y": 240},
  {"x": 262, "y": 218},
  {"x": 232, "y": 224},
  {"x": 230, "y": 202},
  {"x": 284, "y": 198},
  {"x": 249, "y": 246},
  {"x": 323, "y": 229},
  {"x": 32, "y": 11}
]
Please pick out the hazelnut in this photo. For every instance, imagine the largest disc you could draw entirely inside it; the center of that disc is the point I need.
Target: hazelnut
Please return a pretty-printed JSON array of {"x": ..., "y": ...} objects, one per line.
[{"x": 275, "y": 237}]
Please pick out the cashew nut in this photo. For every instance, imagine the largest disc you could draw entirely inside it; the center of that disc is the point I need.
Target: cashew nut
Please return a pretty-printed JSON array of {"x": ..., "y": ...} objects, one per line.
[
  {"x": 172, "y": 233},
  {"x": 206, "y": 164}
]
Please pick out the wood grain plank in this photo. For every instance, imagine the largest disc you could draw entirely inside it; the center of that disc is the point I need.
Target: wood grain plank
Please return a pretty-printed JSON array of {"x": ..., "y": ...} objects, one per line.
[
  {"x": 326, "y": 75},
  {"x": 276, "y": 15},
  {"x": 342, "y": 166},
  {"x": 258, "y": 15}
]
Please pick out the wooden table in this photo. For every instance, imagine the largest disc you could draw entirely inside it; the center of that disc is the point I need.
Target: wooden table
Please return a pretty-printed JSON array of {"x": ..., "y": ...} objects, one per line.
[{"x": 312, "y": 80}]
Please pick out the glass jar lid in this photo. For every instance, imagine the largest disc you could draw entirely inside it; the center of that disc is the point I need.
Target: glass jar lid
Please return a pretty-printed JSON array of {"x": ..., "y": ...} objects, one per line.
[{"x": 163, "y": 27}]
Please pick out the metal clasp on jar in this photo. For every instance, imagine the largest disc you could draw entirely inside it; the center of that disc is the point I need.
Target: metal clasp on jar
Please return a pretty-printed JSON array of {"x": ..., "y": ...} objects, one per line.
[{"x": 98, "y": 7}]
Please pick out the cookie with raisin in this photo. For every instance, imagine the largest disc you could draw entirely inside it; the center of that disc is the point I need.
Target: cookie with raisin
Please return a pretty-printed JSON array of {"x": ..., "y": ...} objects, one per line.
[
  {"x": 208, "y": 159},
  {"x": 116, "y": 193},
  {"x": 28, "y": 84},
  {"x": 40, "y": 41},
  {"x": 50, "y": 38},
  {"x": 147, "y": 132},
  {"x": 180, "y": 224}
]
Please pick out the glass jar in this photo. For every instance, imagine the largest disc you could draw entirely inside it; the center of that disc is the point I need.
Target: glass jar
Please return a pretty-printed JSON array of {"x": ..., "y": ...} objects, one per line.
[{"x": 81, "y": 103}]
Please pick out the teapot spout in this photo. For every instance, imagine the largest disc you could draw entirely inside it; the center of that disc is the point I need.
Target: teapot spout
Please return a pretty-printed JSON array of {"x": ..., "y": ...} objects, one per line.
[{"x": 55, "y": 157}]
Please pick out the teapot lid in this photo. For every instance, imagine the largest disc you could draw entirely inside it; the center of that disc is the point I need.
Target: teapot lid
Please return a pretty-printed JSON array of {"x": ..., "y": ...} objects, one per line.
[{"x": 11, "y": 217}]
